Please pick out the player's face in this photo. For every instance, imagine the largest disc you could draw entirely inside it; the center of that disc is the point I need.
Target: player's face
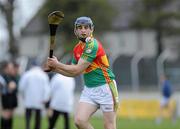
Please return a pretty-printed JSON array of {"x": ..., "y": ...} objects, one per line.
[
  {"x": 10, "y": 69},
  {"x": 83, "y": 31}
]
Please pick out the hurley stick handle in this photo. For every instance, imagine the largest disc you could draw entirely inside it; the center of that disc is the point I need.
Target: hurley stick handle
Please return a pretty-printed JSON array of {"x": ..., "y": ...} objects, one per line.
[{"x": 53, "y": 29}]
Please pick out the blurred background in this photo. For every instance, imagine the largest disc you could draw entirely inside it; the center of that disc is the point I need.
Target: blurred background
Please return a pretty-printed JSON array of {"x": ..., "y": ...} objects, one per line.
[{"x": 141, "y": 38}]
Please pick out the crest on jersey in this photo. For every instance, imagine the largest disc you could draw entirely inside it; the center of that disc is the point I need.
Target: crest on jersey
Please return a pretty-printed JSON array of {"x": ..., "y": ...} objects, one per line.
[{"x": 88, "y": 50}]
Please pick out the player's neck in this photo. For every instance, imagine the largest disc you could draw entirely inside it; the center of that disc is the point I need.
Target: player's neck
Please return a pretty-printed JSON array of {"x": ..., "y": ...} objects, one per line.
[{"x": 81, "y": 42}]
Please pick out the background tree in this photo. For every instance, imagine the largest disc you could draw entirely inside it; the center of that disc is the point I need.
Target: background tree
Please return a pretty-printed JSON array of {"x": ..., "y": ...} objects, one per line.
[
  {"x": 155, "y": 15},
  {"x": 7, "y": 9},
  {"x": 100, "y": 11}
]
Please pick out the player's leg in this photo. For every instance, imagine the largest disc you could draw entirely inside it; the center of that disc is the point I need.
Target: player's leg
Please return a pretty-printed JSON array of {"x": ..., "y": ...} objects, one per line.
[
  {"x": 6, "y": 114},
  {"x": 28, "y": 117},
  {"x": 109, "y": 120},
  {"x": 10, "y": 120},
  {"x": 53, "y": 118},
  {"x": 174, "y": 113},
  {"x": 66, "y": 120},
  {"x": 6, "y": 121},
  {"x": 108, "y": 100},
  {"x": 37, "y": 119},
  {"x": 83, "y": 113},
  {"x": 162, "y": 106}
]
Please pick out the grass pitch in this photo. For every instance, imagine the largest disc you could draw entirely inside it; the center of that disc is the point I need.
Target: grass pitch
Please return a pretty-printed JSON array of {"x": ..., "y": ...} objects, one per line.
[{"x": 19, "y": 123}]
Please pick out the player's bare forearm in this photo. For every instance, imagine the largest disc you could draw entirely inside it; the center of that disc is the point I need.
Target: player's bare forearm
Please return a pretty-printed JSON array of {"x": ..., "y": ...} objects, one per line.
[{"x": 67, "y": 70}]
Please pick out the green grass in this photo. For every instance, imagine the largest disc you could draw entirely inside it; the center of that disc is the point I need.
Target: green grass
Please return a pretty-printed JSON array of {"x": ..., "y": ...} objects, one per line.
[{"x": 98, "y": 124}]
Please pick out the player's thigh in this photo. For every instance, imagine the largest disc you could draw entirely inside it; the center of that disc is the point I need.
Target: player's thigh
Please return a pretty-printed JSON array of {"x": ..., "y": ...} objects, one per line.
[
  {"x": 84, "y": 111},
  {"x": 109, "y": 119}
]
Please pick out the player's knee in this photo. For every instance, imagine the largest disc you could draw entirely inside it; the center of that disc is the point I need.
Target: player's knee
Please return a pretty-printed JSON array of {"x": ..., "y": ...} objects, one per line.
[
  {"x": 6, "y": 114},
  {"x": 109, "y": 126},
  {"x": 79, "y": 122}
]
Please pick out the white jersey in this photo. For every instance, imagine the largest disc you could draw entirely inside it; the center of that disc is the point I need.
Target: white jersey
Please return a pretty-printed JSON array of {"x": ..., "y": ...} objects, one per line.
[
  {"x": 62, "y": 93},
  {"x": 34, "y": 86}
]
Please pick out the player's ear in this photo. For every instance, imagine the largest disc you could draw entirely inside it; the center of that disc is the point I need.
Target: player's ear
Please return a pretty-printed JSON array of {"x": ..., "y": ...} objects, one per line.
[
  {"x": 92, "y": 29},
  {"x": 75, "y": 31}
]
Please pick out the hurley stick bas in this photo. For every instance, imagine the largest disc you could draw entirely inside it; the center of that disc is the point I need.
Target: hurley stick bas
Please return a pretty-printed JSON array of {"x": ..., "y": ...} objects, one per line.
[{"x": 54, "y": 19}]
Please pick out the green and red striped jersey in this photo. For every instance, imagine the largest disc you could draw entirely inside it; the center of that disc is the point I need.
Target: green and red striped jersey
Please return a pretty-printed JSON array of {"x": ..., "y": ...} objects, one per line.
[{"x": 98, "y": 73}]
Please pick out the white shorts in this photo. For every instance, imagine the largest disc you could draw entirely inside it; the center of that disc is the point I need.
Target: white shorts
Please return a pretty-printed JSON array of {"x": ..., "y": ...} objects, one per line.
[
  {"x": 102, "y": 96},
  {"x": 165, "y": 101}
]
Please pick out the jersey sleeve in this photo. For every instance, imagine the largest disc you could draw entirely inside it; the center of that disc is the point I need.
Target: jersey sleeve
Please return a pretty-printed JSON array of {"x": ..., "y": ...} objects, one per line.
[{"x": 89, "y": 53}]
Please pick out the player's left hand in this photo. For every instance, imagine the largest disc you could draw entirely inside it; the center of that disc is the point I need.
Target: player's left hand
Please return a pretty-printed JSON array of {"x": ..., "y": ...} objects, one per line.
[{"x": 51, "y": 64}]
